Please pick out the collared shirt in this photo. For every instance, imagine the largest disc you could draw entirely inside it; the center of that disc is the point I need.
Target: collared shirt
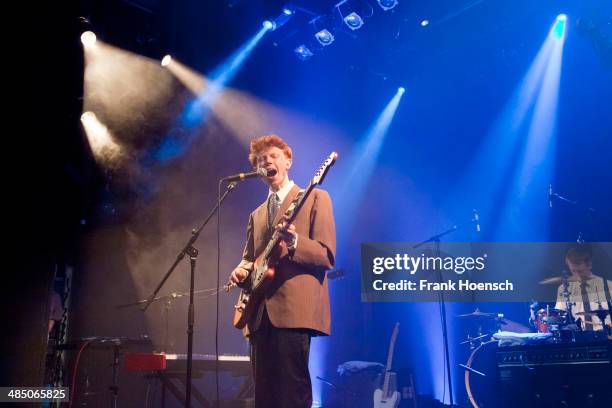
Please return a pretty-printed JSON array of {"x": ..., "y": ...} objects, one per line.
[
  {"x": 597, "y": 296},
  {"x": 282, "y": 194},
  {"x": 283, "y": 191}
]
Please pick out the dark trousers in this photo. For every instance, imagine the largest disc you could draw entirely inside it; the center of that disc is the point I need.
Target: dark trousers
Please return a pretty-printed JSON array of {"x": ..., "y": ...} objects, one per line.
[{"x": 280, "y": 366}]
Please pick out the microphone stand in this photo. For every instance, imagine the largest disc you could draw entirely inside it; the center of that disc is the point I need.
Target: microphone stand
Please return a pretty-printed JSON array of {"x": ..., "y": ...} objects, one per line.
[
  {"x": 189, "y": 249},
  {"x": 167, "y": 306},
  {"x": 590, "y": 211},
  {"x": 436, "y": 240}
]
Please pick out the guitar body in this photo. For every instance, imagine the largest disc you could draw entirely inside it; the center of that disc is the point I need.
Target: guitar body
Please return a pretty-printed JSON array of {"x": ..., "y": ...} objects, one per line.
[
  {"x": 253, "y": 292},
  {"x": 388, "y": 396},
  {"x": 391, "y": 401}
]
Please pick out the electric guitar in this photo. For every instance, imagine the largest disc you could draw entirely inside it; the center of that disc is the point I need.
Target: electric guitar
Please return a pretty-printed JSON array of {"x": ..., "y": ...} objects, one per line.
[
  {"x": 253, "y": 288},
  {"x": 388, "y": 397}
]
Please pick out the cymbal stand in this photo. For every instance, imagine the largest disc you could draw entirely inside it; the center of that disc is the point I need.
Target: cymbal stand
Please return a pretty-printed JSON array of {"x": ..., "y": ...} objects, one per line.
[
  {"x": 571, "y": 323},
  {"x": 114, "y": 388},
  {"x": 167, "y": 307},
  {"x": 566, "y": 296},
  {"x": 593, "y": 215}
]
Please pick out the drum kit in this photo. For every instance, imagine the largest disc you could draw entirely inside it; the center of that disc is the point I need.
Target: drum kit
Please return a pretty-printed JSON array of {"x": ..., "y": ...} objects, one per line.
[
  {"x": 486, "y": 323},
  {"x": 559, "y": 323}
]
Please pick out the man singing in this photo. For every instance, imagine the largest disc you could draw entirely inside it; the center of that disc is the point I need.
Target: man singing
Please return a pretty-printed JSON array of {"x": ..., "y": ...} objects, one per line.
[{"x": 296, "y": 304}]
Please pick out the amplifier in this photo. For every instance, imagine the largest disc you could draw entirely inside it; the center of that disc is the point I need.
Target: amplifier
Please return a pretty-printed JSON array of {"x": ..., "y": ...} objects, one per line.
[
  {"x": 554, "y": 354},
  {"x": 555, "y": 375}
]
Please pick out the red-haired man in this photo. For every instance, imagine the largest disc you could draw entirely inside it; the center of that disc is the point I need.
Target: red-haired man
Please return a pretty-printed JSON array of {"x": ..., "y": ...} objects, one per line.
[{"x": 296, "y": 305}]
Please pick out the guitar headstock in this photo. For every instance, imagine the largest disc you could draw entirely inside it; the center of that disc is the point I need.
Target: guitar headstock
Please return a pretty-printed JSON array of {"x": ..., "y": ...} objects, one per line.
[{"x": 322, "y": 172}]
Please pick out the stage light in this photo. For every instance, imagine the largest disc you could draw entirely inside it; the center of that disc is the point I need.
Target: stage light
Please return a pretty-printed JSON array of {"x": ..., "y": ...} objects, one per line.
[
  {"x": 354, "y": 12},
  {"x": 303, "y": 52},
  {"x": 88, "y": 38},
  {"x": 387, "y": 4},
  {"x": 559, "y": 27},
  {"x": 424, "y": 23},
  {"x": 353, "y": 21},
  {"x": 401, "y": 90},
  {"x": 166, "y": 61},
  {"x": 101, "y": 141},
  {"x": 324, "y": 37},
  {"x": 88, "y": 117},
  {"x": 280, "y": 20}
]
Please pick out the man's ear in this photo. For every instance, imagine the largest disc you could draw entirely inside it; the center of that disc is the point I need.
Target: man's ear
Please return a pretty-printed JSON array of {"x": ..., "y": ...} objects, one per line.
[{"x": 289, "y": 163}]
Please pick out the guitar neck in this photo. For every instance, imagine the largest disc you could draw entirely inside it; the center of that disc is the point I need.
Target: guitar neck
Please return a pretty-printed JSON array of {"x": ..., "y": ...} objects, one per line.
[
  {"x": 388, "y": 369},
  {"x": 385, "y": 390},
  {"x": 300, "y": 202},
  {"x": 297, "y": 206}
]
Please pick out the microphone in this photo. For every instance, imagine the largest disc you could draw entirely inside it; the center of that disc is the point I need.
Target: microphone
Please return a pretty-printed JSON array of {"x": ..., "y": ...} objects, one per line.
[
  {"x": 243, "y": 176},
  {"x": 550, "y": 195},
  {"x": 476, "y": 219}
]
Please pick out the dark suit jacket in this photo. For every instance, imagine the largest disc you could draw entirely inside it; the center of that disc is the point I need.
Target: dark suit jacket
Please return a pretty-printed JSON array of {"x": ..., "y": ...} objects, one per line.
[{"x": 298, "y": 296}]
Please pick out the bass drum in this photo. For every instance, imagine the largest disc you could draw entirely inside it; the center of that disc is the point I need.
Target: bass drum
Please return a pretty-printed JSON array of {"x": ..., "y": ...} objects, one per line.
[{"x": 482, "y": 389}]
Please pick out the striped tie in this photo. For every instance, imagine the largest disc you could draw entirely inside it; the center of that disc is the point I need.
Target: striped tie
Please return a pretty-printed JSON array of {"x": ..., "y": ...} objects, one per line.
[
  {"x": 273, "y": 206},
  {"x": 588, "y": 319}
]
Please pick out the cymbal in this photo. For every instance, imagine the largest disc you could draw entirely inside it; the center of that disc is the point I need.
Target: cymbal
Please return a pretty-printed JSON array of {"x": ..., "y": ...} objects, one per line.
[
  {"x": 557, "y": 280},
  {"x": 592, "y": 312},
  {"x": 478, "y": 313}
]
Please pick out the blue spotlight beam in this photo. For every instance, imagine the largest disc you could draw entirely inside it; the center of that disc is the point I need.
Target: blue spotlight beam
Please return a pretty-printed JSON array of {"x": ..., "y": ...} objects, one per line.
[
  {"x": 497, "y": 151},
  {"x": 367, "y": 151},
  {"x": 361, "y": 164},
  {"x": 512, "y": 154},
  {"x": 196, "y": 110},
  {"x": 543, "y": 125},
  {"x": 536, "y": 166}
]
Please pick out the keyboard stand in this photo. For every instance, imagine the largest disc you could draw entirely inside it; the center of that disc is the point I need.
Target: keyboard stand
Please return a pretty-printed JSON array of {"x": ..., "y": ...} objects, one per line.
[{"x": 166, "y": 377}]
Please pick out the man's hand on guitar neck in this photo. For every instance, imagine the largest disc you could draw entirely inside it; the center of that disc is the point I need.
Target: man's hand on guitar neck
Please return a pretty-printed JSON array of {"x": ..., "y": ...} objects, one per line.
[{"x": 287, "y": 234}]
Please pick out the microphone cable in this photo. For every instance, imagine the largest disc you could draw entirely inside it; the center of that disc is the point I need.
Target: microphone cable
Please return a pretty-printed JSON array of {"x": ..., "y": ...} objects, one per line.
[{"x": 217, "y": 297}]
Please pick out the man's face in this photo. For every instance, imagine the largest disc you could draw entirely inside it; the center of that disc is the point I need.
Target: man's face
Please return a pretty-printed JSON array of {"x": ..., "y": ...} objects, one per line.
[
  {"x": 274, "y": 158},
  {"x": 582, "y": 270}
]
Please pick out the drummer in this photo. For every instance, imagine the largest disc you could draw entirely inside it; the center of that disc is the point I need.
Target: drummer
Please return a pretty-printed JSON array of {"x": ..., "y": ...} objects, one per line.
[{"x": 588, "y": 292}]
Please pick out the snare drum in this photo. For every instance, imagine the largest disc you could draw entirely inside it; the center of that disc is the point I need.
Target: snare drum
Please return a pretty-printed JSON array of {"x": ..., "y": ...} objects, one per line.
[{"x": 548, "y": 320}]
